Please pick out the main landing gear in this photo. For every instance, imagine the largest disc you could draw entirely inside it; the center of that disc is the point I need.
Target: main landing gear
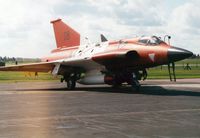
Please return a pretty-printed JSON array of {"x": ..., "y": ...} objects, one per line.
[
  {"x": 129, "y": 77},
  {"x": 70, "y": 80},
  {"x": 71, "y": 83},
  {"x": 135, "y": 85}
]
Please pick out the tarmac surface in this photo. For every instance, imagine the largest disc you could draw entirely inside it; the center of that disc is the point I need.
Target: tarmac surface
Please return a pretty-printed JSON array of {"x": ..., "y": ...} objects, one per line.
[{"x": 46, "y": 110}]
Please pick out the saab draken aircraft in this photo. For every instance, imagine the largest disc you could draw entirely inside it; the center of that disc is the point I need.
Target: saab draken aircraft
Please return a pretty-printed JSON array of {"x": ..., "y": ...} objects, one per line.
[{"x": 109, "y": 62}]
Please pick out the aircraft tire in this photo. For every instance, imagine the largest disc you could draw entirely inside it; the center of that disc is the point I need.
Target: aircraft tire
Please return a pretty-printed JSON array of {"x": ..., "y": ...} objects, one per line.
[
  {"x": 71, "y": 84},
  {"x": 116, "y": 86},
  {"x": 135, "y": 85}
]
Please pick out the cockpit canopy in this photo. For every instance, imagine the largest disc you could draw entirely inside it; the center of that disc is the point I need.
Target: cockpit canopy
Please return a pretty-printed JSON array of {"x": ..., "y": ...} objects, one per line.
[{"x": 153, "y": 40}]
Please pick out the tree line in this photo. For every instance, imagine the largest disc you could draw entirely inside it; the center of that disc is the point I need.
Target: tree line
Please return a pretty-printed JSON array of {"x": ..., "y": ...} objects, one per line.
[{"x": 18, "y": 59}]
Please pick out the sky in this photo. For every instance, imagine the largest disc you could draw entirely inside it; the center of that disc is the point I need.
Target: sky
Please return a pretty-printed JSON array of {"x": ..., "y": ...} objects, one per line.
[{"x": 25, "y": 29}]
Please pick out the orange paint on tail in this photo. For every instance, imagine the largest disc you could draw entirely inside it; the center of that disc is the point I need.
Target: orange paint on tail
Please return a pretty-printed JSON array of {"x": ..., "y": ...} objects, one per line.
[{"x": 65, "y": 35}]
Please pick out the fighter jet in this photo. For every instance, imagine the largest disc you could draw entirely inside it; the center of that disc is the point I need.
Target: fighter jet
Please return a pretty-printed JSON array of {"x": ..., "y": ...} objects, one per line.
[{"x": 108, "y": 62}]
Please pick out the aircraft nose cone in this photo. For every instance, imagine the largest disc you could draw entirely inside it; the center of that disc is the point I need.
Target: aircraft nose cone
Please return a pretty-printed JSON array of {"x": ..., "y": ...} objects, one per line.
[{"x": 176, "y": 54}]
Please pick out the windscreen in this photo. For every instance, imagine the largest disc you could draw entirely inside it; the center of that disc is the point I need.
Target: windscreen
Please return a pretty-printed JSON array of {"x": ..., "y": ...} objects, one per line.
[{"x": 153, "y": 40}]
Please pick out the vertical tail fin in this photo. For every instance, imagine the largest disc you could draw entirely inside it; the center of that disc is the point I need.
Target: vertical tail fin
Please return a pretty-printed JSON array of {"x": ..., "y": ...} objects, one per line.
[{"x": 65, "y": 35}]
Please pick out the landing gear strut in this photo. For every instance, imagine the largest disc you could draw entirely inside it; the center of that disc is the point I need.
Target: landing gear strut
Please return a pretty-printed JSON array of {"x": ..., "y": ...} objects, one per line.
[{"x": 135, "y": 85}]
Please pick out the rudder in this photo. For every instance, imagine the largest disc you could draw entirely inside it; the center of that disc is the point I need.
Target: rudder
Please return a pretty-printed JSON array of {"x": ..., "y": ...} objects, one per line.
[{"x": 65, "y": 35}]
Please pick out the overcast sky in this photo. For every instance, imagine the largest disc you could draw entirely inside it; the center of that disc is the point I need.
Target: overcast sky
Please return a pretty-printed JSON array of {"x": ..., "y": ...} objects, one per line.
[{"x": 25, "y": 29}]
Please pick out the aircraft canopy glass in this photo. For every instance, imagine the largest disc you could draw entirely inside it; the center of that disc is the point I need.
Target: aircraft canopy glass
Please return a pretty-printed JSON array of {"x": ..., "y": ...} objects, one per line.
[{"x": 153, "y": 40}]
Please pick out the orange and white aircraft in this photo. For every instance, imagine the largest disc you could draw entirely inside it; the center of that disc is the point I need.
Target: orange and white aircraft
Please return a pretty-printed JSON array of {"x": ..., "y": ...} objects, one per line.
[{"x": 108, "y": 62}]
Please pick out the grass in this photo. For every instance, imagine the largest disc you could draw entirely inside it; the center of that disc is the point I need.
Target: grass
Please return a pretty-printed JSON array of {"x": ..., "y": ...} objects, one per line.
[
  {"x": 25, "y": 76},
  {"x": 190, "y": 61},
  {"x": 153, "y": 73},
  {"x": 157, "y": 73},
  {"x": 181, "y": 73}
]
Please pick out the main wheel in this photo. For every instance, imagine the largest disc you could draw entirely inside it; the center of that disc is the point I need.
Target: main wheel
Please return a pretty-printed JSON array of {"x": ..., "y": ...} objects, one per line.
[
  {"x": 116, "y": 85},
  {"x": 71, "y": 84},
  {"x": 135, "y": 85}
]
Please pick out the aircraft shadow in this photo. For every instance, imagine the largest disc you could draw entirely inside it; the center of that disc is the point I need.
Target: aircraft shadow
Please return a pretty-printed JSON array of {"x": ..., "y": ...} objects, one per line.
[{"x": 147, "y": 90}]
